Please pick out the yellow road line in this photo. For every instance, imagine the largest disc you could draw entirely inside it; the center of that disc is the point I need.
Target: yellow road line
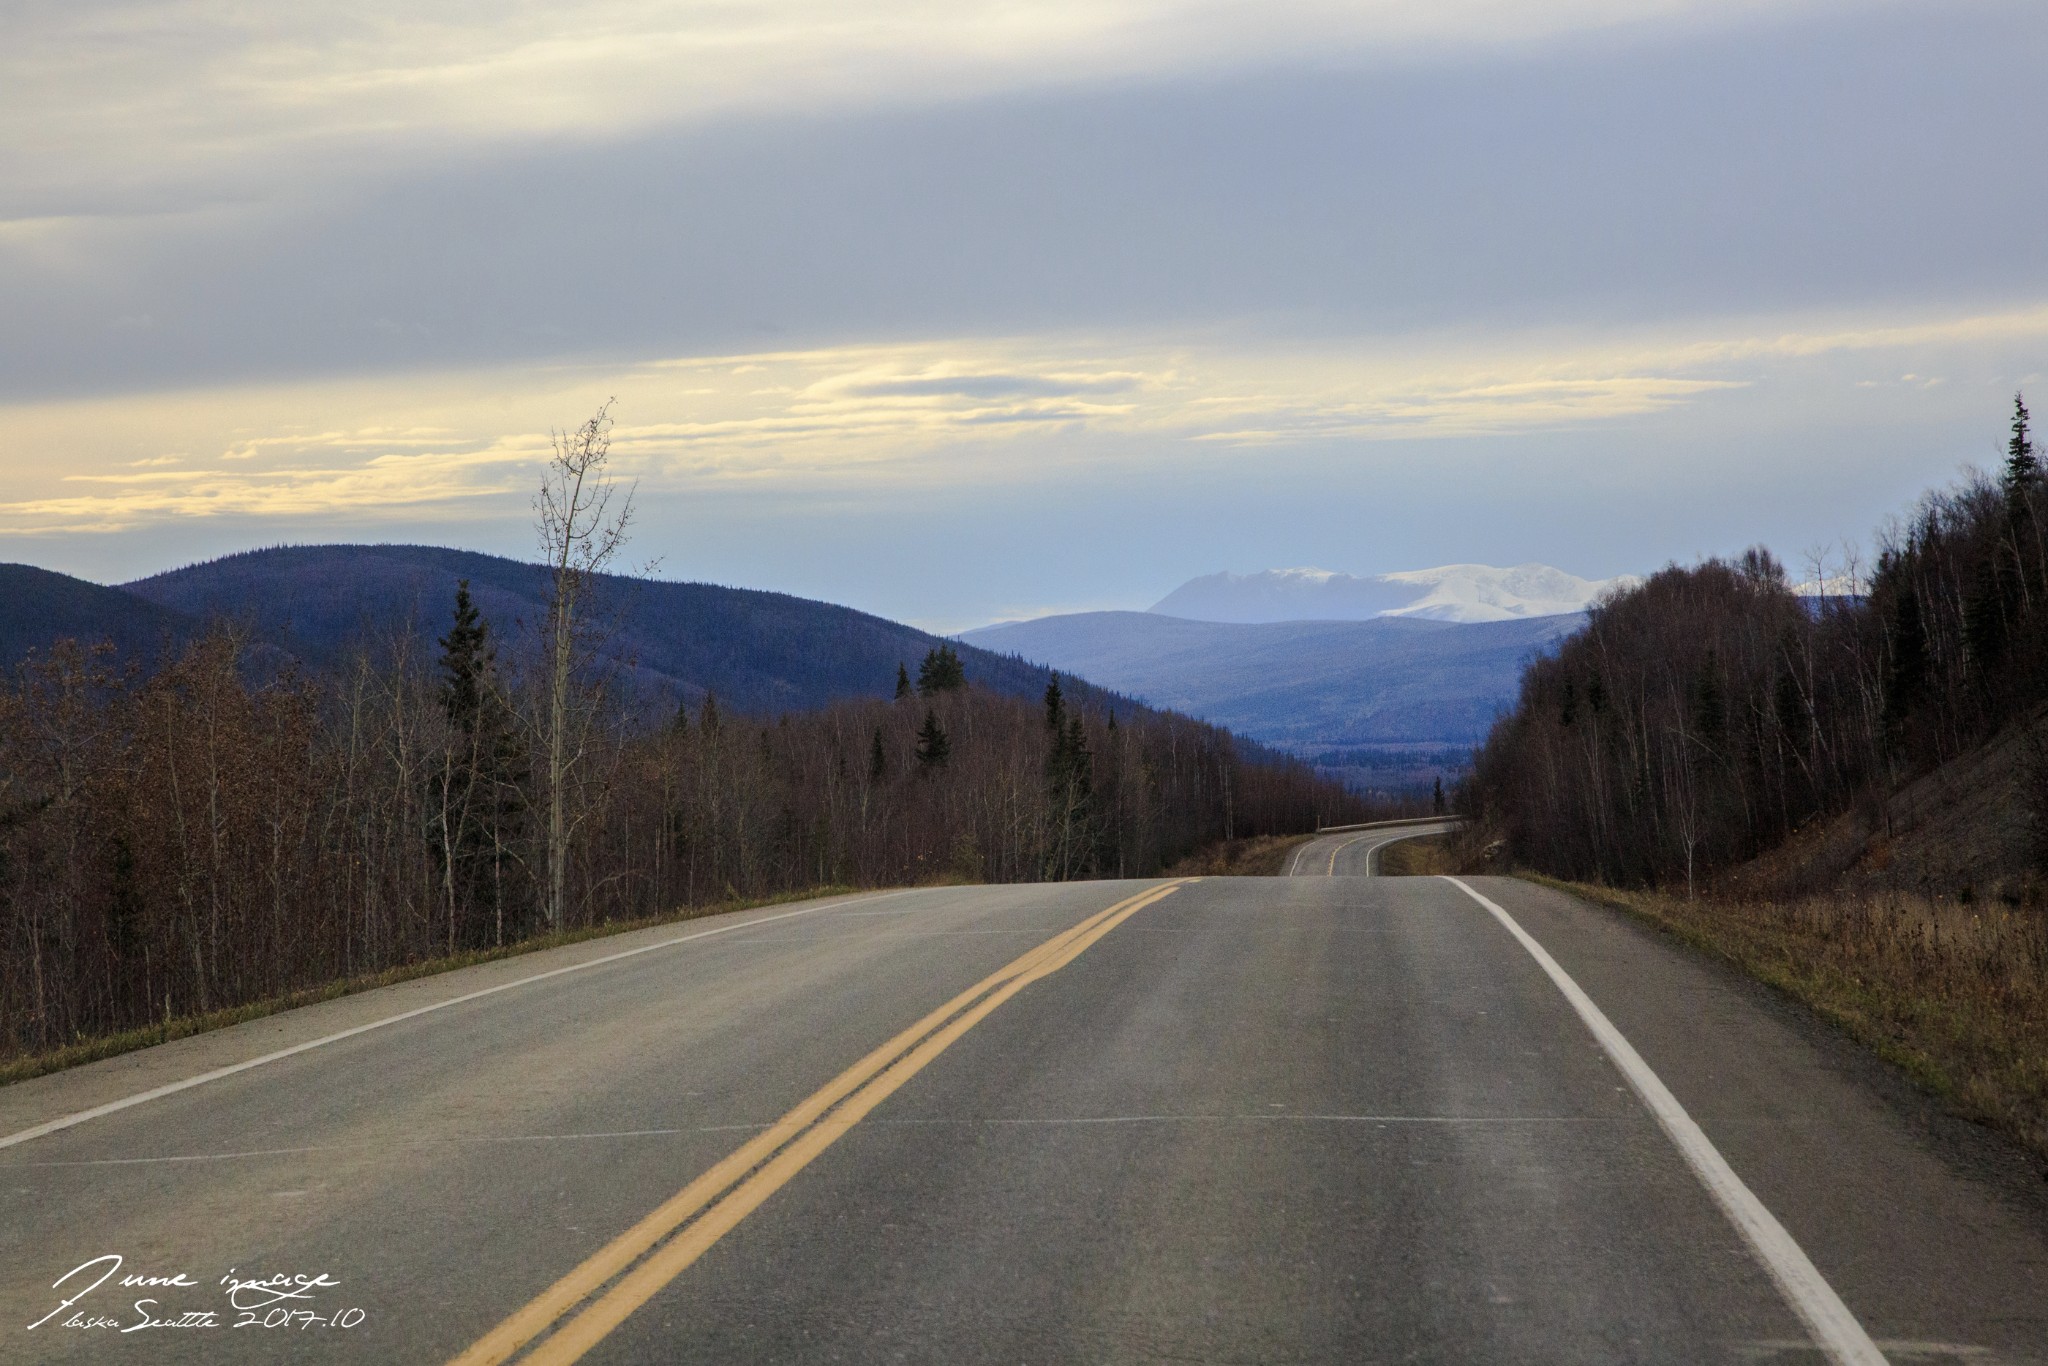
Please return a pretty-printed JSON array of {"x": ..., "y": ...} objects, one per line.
[
  {"x": 762, "y": 1165},
  {"x": 1340, "y": 849}
]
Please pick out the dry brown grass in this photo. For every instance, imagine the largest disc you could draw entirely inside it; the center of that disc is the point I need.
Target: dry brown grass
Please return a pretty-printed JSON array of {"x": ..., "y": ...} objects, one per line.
[
  {"x": 1265, "y": 856},
  {"x": 1462, "y": 851},
  {"x": 1954, "y": 992},
  {"x": 1428, "y": 857}
]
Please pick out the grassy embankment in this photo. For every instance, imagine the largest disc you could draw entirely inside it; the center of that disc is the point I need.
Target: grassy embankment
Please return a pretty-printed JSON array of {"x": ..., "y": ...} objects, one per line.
[
  {"x": 1425, "y": 857},
  {"x": 1953, "y": 993},
  {"x": 1265, "y": 856}
]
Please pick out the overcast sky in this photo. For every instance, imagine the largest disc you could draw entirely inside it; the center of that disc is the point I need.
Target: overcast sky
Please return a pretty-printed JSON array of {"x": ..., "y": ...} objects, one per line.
[{"x": 956, "y": 311}]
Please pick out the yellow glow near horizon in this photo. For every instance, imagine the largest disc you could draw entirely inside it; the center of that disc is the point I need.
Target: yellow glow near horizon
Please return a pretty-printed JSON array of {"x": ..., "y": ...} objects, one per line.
[{"x": 917, "y": 415}]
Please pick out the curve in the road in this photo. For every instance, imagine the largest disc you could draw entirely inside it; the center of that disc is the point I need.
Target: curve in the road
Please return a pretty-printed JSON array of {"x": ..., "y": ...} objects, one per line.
[{"x": 1355, "y": 853}]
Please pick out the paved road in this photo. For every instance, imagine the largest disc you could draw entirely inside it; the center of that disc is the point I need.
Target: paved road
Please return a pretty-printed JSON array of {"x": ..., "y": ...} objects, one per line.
[
  {"x": 1251, "y": 1120},
  {"x": 1355, "y": 853}
]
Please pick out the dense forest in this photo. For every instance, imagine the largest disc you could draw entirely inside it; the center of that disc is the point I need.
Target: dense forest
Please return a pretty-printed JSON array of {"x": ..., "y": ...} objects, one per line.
[
  {"x": 189, "y": 839},
  {"x": 1701, "y": 717}
]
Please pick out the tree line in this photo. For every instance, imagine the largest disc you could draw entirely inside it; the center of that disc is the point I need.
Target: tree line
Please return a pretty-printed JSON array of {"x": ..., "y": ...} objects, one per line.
[
  {"x": 1702, "y": 716},
  {"x": 198, "y": 837}
]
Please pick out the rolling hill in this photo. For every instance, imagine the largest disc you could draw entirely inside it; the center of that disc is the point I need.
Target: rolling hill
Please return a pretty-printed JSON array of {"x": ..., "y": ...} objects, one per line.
[
  {"x": 759, "y": 652},
  {"x": 39, "y": 607}
]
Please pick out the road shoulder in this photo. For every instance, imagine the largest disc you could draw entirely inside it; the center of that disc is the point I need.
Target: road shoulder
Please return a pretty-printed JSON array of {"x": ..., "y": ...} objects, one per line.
[
  {"x": 41, "y": 1100},
  {"x": 1843, "y": 1149}
]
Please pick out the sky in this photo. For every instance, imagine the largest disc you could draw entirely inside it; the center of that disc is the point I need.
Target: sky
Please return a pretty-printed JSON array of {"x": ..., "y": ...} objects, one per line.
[{"x": 964, "y": 311}]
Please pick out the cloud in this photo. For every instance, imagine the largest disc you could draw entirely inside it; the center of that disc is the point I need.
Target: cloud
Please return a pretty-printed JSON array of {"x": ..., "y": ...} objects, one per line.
[
  {"x": 380, "y": 484},
  {"x": 1315, "y": 193},
  {"x": 149, "y": 92},
  {"x": 992, "y": 386},
  {"x": 932, "y": 415}
]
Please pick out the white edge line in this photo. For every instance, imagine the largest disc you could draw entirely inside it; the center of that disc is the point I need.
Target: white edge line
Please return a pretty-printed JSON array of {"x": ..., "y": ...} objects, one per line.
[
  {"x": 1835, "y": 1330},
  {"x": 172, "y": 1088}
]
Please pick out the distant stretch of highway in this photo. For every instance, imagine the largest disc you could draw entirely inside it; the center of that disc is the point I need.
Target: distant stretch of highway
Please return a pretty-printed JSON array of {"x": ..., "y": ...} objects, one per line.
[
  {"x": 1354, "y": 851},
  {"x": 1317, "y": 1118}
]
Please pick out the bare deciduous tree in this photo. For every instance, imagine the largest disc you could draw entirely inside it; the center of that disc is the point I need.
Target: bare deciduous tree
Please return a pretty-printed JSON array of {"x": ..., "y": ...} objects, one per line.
[{"x": 580, "y": 535}]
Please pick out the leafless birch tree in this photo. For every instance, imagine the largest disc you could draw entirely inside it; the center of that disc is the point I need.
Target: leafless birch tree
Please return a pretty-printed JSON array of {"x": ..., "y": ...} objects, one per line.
[{"x": 581, "y": 533}]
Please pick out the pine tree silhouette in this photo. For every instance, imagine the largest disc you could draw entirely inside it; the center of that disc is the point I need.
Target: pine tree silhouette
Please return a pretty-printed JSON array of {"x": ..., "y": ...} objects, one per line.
[
  {"x": 2022, "y": 466},
  {"x": 466, "y": 656},
  {"x": 940, "y": 672},
  {"x": 479, "y": 812},
  {"x": 902, "y": 682},
  {"x": 1906, "y": 680},
  {"x": 933, "y": 748}
]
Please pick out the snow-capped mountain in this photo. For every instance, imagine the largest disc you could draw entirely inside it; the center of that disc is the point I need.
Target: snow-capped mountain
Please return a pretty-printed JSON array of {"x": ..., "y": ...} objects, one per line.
[{"x": 1452, "y": 592}]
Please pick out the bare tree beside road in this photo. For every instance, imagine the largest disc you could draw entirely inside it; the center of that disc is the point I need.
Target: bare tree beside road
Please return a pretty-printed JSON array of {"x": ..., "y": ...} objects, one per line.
[{"x": 580, "y": 535}]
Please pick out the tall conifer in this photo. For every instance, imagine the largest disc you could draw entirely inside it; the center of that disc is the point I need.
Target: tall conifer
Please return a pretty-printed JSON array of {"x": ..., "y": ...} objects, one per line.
[{"x": 933, "y": 748}]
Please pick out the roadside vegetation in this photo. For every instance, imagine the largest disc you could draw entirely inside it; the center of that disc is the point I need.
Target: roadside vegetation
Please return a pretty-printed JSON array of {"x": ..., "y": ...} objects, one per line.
[
  {"x": 1259, "y": 856},
  {"x": 1700, "y": 719},
  {"x": 218, "y": 836},
  {"x": 1955, "y": 993},
  {"x": 1429, "y": 856},
  {"x": 1845, "y": 793}
]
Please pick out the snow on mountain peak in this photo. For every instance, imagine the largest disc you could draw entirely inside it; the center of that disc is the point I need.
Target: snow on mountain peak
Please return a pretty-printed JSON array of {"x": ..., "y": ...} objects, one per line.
[{"x": 1451, "y": 592}]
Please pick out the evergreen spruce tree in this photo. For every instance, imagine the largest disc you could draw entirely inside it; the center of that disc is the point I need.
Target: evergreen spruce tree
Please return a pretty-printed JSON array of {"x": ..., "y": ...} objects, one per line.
[
  {"x": 479, "y": 796},
  {"x": 2022, "y": 467},
  {"x": 1070, "y": 793},
  {"x": 902, "y": 682},
  {"x": 466, "y": 656},
  {"x": 941, "y": 671},
  {"x": 933, "y": 748},
  {"x": 878, "y": 759},
  {"x": 2018, "y": 565},
  {"x": 1984, "y": 617},
  {"x": 707, "y": 718},
  {"x": 1906, "y": 679},
  {"x": 1436, "y": 800},
  {"x": 1055, "y": 705}
]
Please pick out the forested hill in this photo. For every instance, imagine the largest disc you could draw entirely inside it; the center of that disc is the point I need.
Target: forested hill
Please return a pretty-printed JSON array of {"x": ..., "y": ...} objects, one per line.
[
  {"x": 759, "y": 652},
  {"x": 1706, "y": 717},
  {"x": 38, "y": 607}
]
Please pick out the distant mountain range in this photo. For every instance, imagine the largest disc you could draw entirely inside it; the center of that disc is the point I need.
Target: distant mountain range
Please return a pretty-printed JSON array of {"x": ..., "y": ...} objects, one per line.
[
  {"x": 1452, "y": 592},
  {"x": 759, "y": 652},
  {"x": 1414, "y": 674},
  {"x": 1301, "y": 685}
]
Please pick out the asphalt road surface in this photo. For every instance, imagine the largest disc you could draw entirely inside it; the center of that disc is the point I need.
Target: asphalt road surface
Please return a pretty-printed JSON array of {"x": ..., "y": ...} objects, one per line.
[
  {"x": 1309, "y": 1119},
  {"x": 1355, "y": 853}
]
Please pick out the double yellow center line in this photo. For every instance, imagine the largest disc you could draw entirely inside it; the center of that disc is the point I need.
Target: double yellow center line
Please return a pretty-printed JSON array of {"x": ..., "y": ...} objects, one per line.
[{"x": 576, "y": 1312}]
